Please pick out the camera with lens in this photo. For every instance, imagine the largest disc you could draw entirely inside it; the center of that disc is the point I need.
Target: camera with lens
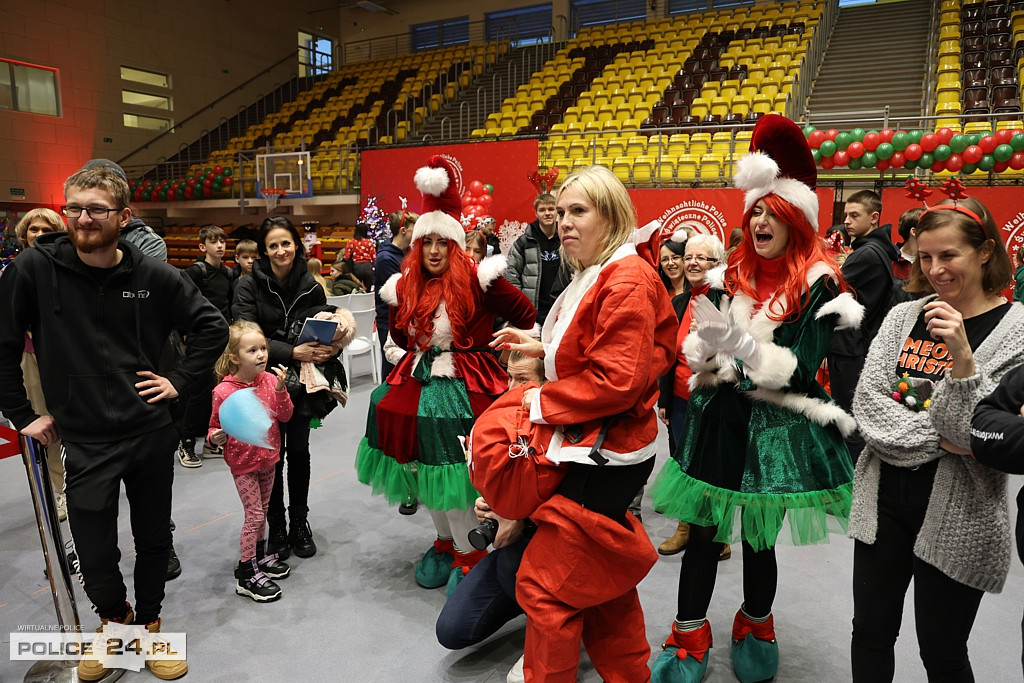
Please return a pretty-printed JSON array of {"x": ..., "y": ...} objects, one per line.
[{"x": 482, "y": 535}]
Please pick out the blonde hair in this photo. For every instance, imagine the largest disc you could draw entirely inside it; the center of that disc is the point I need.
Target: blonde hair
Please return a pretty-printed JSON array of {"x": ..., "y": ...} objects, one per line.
[
  {"x": 48, "y": 215},
  {"x": 609, "y": 197},
  {"x": 537, "y": 364},
  {"x": 225, "y": 366}
]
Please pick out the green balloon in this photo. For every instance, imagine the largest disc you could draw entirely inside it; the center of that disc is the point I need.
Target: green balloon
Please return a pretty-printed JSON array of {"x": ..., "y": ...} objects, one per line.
[
  {"x": 843, "y": 140},
  {"x": 857, "y": 134},
  {"x": 163, "y": 195},
  {"x": 808, "y": 130},
  {"x": 942, "y": 152},
  {"x": 228, "y": 171},
  {"x": 926, "y": 160},
  {"x": 828, "y": 147},
  {"x": 959, "y": 142},
  {"x": 489, "y": 188},
  {"x": 900, "y": 141},
  {"x": 207, "y": 170},
  {"x": 885, "y": 150},
  {"x": 973, "y": 138},
  {"x": 817, "y": 155},
  {"x": 855, "y": 164},
  {"x": 217, "y": 187},
  {"x": 181, "y": 192},
  {"x": 868, "y": 159},
  {"x": 987, "y": 163},
  {"x": 968, "y": 169},
  {"x": 1017, "y": 142},
  {"x": 1003, "y": 153},
  {"x": 916, "y": 135}
]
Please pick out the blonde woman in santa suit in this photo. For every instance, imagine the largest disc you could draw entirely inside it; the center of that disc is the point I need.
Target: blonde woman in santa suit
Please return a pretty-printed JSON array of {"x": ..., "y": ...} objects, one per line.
[
  {"x": 442, "y": 310},
  {"x": 923, "y": 507},
  {"x": 761, "y": 440},
  {"x": 607, "y": 339}
]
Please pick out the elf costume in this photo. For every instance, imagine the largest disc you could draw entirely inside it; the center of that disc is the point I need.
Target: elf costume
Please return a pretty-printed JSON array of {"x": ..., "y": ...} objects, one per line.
[
  {"x": 762, "y": 441},
  {"x": 439, "y": 387}
]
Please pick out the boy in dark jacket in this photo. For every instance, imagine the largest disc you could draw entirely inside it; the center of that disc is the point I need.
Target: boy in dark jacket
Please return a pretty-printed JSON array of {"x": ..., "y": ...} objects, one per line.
[{"x": 100, "y": 312}]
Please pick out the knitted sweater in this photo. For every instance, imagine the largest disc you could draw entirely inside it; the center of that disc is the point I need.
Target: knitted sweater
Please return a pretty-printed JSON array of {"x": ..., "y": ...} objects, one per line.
[{"x": 966, "y": 529}]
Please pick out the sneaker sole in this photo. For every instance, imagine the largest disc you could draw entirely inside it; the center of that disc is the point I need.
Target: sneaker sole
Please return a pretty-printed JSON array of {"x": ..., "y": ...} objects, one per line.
[
  {"x": 190, "y": 463},
  {"x": 302, "y": 554},
  {"x": 256, "y": 596}
]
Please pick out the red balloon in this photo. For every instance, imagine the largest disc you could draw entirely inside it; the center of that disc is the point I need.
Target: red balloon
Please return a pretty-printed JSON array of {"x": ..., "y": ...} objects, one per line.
[
  {"x": 189, "y": 193},
  {"x": 191, "y": 182},
  {"x": 929, "y": 142},
  {"x": 886, "y": 134},
  {"x": 842, "y": 157},
  {"x": 208, "y": 183},
  {"x": 871, "y": 142},
  {"x": 913, "y": 152},
  {"x": 883, "y": 164},
  {"x": 988, "y": 144},
  {"x": 1003, "y": 136},
  {"x": 955, "y": 162},
  {"x": 154, "y": 195},
  {"x": 217, "y": 170},
  {"x": 855, "y": 150},
  {"x": 973, "y": 154},
  {"x": 172, "y": 196},
  {"x": 138, "y": 194},
  {"x": 228, "y": 181},
  {"x": 897, "y": 160},
  {"x": 476, "y": 188},
  {"x": 207, "y": 191},
  {"x": 467, "y": 198},
  {"x": 938, "y": 166},
  {"x": 1001, "y": 166},
  {"x": 831, "y": 133},
  {"x": 828, "y": 163},
  {"x": 485, "y": 200},
  {"x": 815, "y": 139},
  {"x": 211, "y": 175},
  {"x": 1017, "y": 161},
  {"x": 945, "y": 135}
]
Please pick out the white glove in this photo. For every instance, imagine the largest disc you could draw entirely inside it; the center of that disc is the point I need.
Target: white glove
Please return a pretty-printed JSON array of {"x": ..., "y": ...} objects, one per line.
[
  {"x": 705, "y": 312},
  {"x": 716, "y": 331}
]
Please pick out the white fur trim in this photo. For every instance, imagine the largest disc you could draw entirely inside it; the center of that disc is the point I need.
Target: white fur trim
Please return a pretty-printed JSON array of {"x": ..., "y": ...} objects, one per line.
[
  {"x": 679, "y": 236},
  {"x": 431, "y": 180},
  {"x": 444, "y": 363},
  {"x": 850, "y": 313},
  {"x": 644, "y": 234},
  {"x": 775, "y": 366},
  {"x": 716, "y": 277},
  {"x": 441, "y": 224},
  {"x": 755, "y": 170},
  {"x": 389, "y": 292},
  {"x": 814, "y": 409},
  {"x": 490, "y": 269}
]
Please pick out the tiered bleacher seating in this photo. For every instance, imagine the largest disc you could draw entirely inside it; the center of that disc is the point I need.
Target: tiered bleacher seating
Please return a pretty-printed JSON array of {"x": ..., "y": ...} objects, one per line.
[{"x": 183, "y": 240}]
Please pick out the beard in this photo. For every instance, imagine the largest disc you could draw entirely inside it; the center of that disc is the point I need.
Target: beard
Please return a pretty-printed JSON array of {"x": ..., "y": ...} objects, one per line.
[{"x": 89, "y": 241}]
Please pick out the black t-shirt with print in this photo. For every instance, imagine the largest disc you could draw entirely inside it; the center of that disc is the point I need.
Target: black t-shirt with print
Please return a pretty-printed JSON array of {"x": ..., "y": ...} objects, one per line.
[
  {"x": 922, "y": 356},
  {"x": 550, "y": 262}
]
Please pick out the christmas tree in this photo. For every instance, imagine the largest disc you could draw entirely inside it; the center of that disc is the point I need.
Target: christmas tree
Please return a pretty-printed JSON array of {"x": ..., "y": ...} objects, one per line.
[{"x": 376, "y": 221}]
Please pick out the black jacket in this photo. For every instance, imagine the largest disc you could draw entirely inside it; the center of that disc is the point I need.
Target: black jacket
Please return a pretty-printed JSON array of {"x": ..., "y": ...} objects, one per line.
[
  {"x": 869, "y": 273},
  {"x": 261, "y": 299},
  {"x": 92, "y": 336}
]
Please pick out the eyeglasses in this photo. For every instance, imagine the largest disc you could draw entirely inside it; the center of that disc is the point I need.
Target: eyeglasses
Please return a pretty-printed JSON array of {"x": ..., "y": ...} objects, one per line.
[
  {"x": 97, "y": 213},
  {"x": 699, "y": 259}
]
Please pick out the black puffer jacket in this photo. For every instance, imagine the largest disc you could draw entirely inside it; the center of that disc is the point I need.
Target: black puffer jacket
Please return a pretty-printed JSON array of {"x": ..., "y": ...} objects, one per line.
[{"x": 275, "y": 307}]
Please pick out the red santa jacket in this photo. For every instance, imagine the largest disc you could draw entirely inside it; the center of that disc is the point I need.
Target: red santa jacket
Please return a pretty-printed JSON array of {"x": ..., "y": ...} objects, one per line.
[{"x": 608, "y": 338}]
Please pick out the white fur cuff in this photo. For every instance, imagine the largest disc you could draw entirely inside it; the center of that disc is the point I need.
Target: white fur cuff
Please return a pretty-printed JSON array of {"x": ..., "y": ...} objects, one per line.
[
  {"x": 490, "y": 269},
  {"x": 775, "y": 366},
  {"x": 389, "y": 292},
  {"x": 846, "y": 307}
]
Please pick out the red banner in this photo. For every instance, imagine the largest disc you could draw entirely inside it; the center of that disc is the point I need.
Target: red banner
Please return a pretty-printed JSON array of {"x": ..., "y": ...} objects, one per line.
[
  {"x": 388, "y": 174},
  {"x": 1002, "y": 202},
  {"x": 9, "y": 444}
]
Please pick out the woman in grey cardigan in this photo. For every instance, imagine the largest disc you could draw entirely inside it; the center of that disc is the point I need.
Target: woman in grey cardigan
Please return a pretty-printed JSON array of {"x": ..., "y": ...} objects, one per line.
[{"x": 923, "y": 508}]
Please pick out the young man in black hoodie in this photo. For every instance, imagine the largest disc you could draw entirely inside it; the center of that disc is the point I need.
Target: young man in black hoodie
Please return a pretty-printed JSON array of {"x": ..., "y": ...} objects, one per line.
[
  {"x": 100, "y": 312},
  {"x": 868, "y": 270}
]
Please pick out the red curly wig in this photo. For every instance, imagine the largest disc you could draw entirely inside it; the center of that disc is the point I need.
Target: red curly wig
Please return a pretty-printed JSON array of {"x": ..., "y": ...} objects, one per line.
[
  {"x": 805, "y": 248},
  {"x": 420, "y": 293}
]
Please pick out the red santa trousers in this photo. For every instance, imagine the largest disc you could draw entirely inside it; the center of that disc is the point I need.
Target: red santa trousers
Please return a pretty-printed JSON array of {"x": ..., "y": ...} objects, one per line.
[{"x": 577, "y": 582}]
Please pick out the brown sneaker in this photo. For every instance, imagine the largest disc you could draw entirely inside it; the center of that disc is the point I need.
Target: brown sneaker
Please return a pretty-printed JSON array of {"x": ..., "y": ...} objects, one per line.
[
  {"x": 677, "y": 542},
  {"x": 90, "y": 669},
  {"x": 165, "y": 669},
  {"x": 726, "y": 552}
]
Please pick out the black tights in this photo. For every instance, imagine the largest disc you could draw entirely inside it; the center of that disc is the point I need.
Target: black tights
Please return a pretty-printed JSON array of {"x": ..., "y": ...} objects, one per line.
[{"x": 699, "y": 569}]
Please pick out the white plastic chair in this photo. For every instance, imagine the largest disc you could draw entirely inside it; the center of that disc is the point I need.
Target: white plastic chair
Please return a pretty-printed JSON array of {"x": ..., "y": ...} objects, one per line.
[
  {"x": 360, "y": 301},
  {"x": 365, "y": 340},
  {"x": 339, "y": 301}
]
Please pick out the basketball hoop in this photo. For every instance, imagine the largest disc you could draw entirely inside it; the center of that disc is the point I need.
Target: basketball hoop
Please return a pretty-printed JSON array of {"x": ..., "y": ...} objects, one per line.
[{"x": 272, "y": 196}]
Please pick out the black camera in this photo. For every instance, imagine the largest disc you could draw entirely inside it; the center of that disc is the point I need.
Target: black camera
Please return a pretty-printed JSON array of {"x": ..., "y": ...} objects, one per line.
[{"x": 482, "y": 535}]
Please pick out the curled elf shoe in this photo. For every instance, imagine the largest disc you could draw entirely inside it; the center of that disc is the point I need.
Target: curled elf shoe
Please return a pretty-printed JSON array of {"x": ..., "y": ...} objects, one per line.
[
  {"x": 460, "y": 567},
  {"x": 685, "y": 656},
  {"x": 755, "y": 654},
  {"x": 677, "y": 542},
  {"x": 435, "y": 567}
]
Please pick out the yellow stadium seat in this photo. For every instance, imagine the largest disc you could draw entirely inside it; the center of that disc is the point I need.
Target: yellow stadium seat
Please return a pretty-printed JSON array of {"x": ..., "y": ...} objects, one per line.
[
  {"x": 700, "y": 144},
  {"x": 643, "y": 169},
  {"x": 710, "y": 167},
  {"x": 687, "y": 167}
]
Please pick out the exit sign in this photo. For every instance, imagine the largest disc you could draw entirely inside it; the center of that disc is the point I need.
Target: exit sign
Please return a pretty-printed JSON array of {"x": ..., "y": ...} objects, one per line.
[{"x": 17, "y": 193}]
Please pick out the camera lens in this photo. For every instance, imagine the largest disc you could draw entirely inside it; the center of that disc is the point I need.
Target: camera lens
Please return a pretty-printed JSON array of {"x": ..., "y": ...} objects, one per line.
[{"x": 482, "y": 535}]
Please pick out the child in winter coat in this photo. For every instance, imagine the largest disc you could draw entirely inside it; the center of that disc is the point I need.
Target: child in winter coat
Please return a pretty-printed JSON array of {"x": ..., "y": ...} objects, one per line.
[{"x": 243, "y": 366}]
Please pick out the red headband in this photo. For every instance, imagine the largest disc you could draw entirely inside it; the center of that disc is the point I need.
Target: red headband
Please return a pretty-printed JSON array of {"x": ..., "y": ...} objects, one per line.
[{"x": 957, "y": 208}]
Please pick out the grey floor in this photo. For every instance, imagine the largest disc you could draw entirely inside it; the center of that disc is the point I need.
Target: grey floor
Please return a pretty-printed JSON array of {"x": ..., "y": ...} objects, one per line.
[{"x": 354, "y": 613}]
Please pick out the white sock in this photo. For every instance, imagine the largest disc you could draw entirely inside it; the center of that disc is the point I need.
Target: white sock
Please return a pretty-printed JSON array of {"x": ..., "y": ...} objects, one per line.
[{"x": 460, "y": 522}]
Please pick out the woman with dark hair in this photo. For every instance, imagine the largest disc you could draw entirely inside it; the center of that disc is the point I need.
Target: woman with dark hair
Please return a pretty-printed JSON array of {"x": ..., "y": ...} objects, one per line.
[
  {"x": 281, "y": 292},
  {"x": 442, "y": 311},
  {"x": 670, "y": 265},
  {"x": 762, "y": 442},
  {"x": 923, "y": 508},
  {"x": 361, "y": 252}
]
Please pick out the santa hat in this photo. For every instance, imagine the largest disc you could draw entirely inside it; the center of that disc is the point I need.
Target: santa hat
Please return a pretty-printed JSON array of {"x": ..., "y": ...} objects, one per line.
[
  {"x": 780, "y": 163},
  {"x": 442, "y": 205}
]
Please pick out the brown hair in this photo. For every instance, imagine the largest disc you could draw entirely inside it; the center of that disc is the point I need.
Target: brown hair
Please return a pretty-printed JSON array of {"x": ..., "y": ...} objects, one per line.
[
  {"x": 104, "y": 178},
  {"x": 48, "y": 215},
  {"x": 212, "y": 232},
  {"x": 996, "y": 273},
  {"x": 537, "y": 363},
  {"x": 245, "y": 247},
  {"x": 476, "y": 238},
  {"x": 868, "y": 199}
]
